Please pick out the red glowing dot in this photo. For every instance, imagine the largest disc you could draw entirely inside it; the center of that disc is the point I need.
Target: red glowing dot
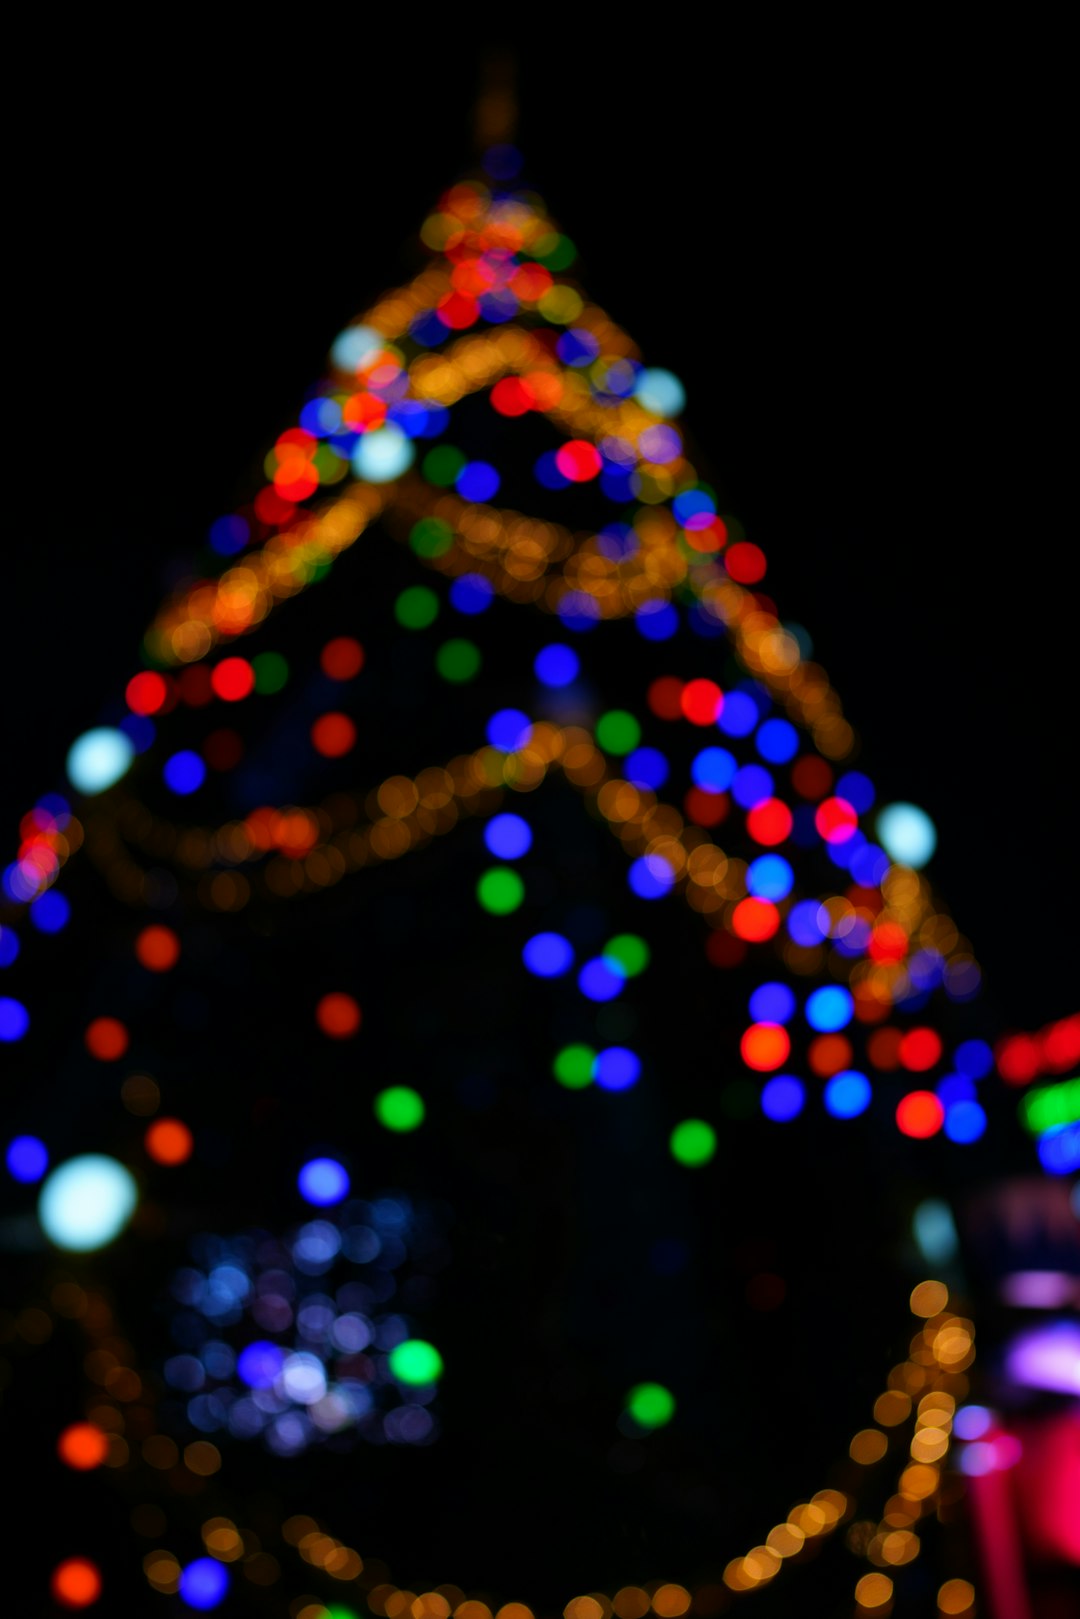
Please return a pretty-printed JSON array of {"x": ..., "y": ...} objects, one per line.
[
  {"x": 342, "y": 658},
  {"x": 457, "y": 310},
  {"x": 223, "y": 749},
  {"x": 755, "y": 920},
  {"x": 157, "y": 948},
  {"x": 296, "y": 480},
  {"x": 1019, "y": 1059},
  {"x": 196, "y": 689},
  {"x": 702, "y": 701},
  {"x": 271, "y": 508},
  {"x": 769, "y": 822},
  {"x": 1061, "y": 1043},
  {"x": 146, "y": 693},
  {"x": 82, "y": 1446},
  {"x": 338, "y": 1015},
  {"x": 76, "y": 1583},
  {"x": 706, "y": 809},
  {"x": 511, "y": 397},
  {"x": 765, "y": 1046},
  {"x": 530, "y": 282},
  {"x": 811, "y": 777},
  {"x": 836, "y": 820},
  {"x": 920, "y": 1114},
  {"x": 745, "y": 563},
  {"x": 363, "y": 411},
  {"x": 664, "y": 697},
  {"x": 233, "y": 679},
  {"x": 888, "y": 942},
  {"x": 169, "y": 1141},
  {"x": 724, "y": 949},
  {"x": 919, "y": 1050},
  {"x": 333, "y": 735},
  {"x": 883, "y": 1049},
  {"x": 106, "y": 1039},
  {"x": 829, "y": 1054},
  {"x": 578, "y": 460},
  {"x": 295, "y": 442}
]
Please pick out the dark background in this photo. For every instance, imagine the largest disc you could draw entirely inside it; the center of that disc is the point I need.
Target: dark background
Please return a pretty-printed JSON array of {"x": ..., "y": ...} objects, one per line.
[{"x": 853, "y": 257}]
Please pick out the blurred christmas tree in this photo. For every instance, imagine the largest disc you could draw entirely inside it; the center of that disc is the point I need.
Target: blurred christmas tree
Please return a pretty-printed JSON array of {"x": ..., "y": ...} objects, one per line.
[{"x": 513, "y": 1039}]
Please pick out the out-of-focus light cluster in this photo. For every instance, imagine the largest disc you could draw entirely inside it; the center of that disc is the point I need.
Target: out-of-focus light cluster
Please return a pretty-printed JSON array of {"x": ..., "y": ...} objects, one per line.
[{"x": 296, "y": 1339}]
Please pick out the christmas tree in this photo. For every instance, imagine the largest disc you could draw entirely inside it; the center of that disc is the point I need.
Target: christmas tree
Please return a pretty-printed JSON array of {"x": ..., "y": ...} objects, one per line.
[{"x": 491, "y": 879}]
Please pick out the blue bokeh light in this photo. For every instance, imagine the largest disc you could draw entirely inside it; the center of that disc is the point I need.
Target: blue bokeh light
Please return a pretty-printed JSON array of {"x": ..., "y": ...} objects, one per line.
[
  {"x": 650, "y": 877},
  {"x": 556, "y": 665},
  {"x": 598, "y": 980},
  {"x": 772, "y": 1003},
  {"x": 508, "y": 836},
  {"x": 777, "y": 741},
  {"x": 770, "y": 876},
  {"x": 656, "y": 621},
  {"x": 14, "y": 1019},
  {"x": 783, "y": 1097},
  {"x": 548, "y": 955},
  {"x": 739, "y": 714},
  {"x": 616, "y": 1068},
  {"x": 751, "y": 785},
  {"x": 829, "y": 1008},
  {"x": 509, "y": 729},
  {"x": 472, "y": 594},
  {"x": 847, "y": 1094},
  {"x": 714, "y": 769},
  {"x": 185, "y": 772},
  {"x": 646, "y": 768},
  {"x": 323, "y": 1181},
  {"x": 964, "y": 1121},
  {"x": 51, "y": 912},
  {"x": 27, "y": 1159},
  {"x": 204, "y": 1583},
  {"x": 477, "y": 481}
]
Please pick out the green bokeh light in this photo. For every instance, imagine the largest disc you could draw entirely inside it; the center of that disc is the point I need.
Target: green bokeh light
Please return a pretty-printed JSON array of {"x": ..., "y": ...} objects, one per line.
[
  {"x": 693, "y": 1143},
  {"x": 442, "y": 465},
  {"x": 627, "y": 953},
  {"x": 271, "y": 672},
  {"x": 500, "y": 890},
  {"x": 1051, "y": 1105},
  {"x": 617, "y": 731},
  {"x": 651, "y": 1405},
  {"x": 400, "y": 1108},
  {"x": 416, "y": 608},
  {"x": 431, "y": 537},
  {"x": 458, "y": 661},
  {"x": 416, "y": 1362},
  {"x": 573, "y": 1066}
]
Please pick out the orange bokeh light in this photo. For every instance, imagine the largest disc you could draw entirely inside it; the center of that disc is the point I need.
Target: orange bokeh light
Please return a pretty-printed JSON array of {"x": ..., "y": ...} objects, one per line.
[
  {"x": 157, "y": 948},
  {"x": 169, "y": 1141},
  {"x": 82, "y": 1446},
  {"x": 338, "y": 1015}
]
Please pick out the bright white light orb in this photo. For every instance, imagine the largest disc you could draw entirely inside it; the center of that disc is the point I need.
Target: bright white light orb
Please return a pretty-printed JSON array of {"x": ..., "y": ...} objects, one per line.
[
  {"x": 352, "y": 346},
  {"x": 98, "y": 759},
  {"x": 86, "y": 1202},
  {"x": 660, "y": 391},
  {"x": 383, "y": 453},
  {"x": 907, "y": 834}
]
